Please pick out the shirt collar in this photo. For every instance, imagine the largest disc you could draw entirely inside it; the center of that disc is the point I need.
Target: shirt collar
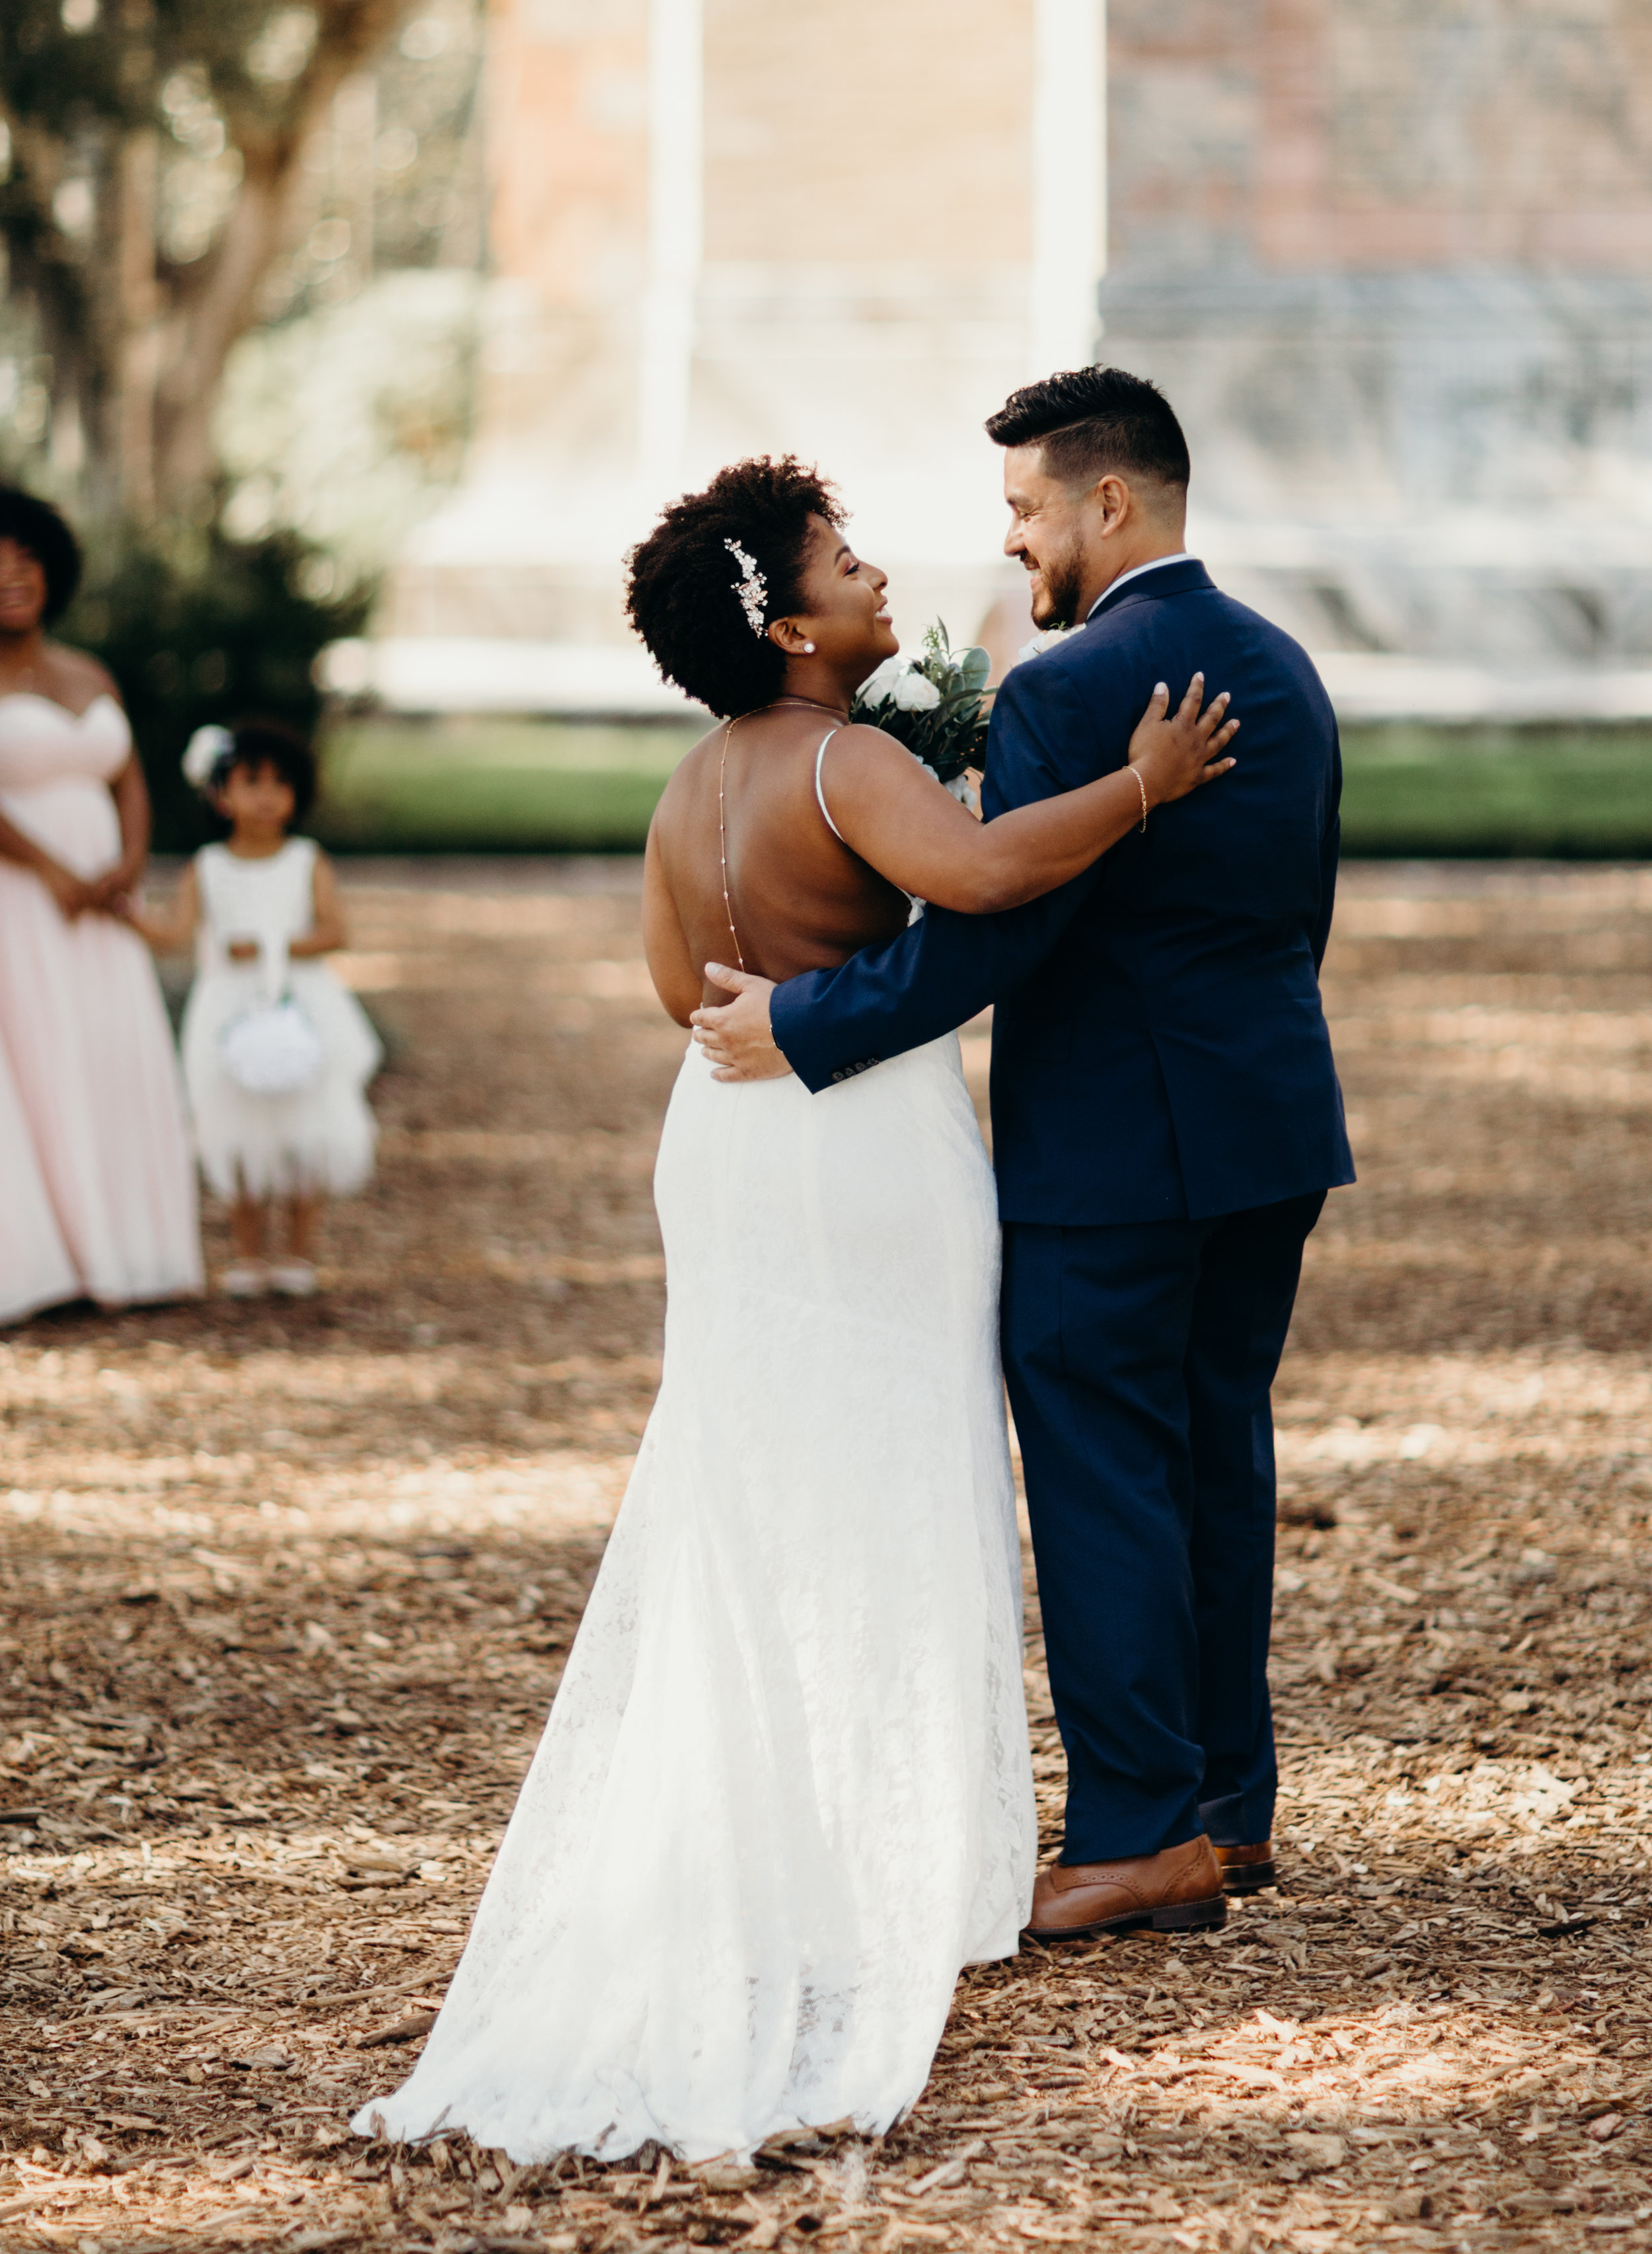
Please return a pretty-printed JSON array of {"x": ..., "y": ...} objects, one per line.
[{"x": 1135, "y": 573}]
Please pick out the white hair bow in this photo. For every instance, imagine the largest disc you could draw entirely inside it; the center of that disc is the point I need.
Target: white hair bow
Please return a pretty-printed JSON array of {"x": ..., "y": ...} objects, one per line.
[{"x": 203, "y": 751}]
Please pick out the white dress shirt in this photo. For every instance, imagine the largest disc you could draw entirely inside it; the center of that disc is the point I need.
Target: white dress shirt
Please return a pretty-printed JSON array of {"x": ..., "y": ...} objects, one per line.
[{"x": 1135, "y": 573}]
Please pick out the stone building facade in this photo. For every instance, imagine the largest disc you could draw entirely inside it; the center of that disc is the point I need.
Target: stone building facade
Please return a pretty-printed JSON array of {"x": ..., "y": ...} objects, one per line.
[
  {"x": 1391, "y": 258},
  {"x": 726, "y": 226},
  {"x": 1393, "y": 261}
]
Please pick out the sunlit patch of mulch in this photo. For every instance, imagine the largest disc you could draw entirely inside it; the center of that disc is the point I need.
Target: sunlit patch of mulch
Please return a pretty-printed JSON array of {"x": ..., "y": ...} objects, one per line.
[{"x": 287, "y": 1590}]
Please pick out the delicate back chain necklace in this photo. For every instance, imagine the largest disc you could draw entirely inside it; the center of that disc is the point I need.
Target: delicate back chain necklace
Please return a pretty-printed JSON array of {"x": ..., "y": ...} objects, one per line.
[
  {"x": 722, "y": 842},
  {"x": 722, "y": 820}
]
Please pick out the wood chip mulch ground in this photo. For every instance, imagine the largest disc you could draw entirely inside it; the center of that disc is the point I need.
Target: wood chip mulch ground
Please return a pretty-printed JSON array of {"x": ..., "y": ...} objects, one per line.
[{"x": 287, "y": 1591}]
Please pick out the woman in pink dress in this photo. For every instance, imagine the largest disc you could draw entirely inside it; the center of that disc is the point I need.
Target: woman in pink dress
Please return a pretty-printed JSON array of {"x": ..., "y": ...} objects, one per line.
[{"x": 100, "y": 1187}]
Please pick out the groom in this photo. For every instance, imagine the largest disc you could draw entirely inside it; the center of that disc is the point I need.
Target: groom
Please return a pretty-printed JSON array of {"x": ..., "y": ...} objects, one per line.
[{"x": 1166, "y": 1122}]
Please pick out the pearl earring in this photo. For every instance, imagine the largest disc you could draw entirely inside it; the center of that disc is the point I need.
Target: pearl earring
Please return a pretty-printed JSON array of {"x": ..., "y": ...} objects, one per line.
[{"x": 808, "y": 649}]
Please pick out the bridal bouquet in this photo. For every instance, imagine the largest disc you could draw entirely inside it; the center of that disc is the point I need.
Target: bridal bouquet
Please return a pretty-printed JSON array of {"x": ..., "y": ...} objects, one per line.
[{"x": 932, "y": 705}]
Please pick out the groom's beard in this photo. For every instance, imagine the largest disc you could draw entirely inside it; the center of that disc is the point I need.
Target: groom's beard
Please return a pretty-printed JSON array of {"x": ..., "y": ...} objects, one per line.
[{"x": 1063, "y": 590}]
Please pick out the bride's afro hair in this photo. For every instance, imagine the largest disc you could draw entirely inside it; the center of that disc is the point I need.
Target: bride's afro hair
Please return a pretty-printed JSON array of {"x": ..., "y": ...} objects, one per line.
[{"x": 684, "y": 596}]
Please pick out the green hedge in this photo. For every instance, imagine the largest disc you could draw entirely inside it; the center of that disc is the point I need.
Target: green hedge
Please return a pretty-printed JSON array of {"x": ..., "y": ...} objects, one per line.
[
  {"x": 1583, "y": 793},
  {"x": 494, "y": 786},
  {"x": 195, "y": 626},
  {"x": 485, "y": 786}
]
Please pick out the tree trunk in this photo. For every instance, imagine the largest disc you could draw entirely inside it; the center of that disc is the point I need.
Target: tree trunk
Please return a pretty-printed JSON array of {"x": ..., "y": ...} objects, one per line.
[
  {"x": 138, "y": 350},
  {"x": 104, "y": 394},
  {"x": 203, "y": 330},
  {"x": 222, "y": 305},
  {"x": 135, "y": 292},
  {"x": 136, "y": 342}
]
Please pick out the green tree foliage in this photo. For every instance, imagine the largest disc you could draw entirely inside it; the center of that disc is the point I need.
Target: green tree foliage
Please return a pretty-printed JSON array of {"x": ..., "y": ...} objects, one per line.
[{"x": 102, "y": 103}]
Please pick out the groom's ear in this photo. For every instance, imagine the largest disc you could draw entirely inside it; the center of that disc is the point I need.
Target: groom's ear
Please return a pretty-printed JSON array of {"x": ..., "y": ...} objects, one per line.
[{"x": 1114, "y": 501}]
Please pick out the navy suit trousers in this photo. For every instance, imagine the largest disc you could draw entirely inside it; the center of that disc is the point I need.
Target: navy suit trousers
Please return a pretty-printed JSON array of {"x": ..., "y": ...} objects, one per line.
[{"x": 1140, "y": 1358}]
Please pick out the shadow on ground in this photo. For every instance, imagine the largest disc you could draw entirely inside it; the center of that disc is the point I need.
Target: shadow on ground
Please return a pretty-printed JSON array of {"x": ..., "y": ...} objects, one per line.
[{"x": 288, "y": 1592}]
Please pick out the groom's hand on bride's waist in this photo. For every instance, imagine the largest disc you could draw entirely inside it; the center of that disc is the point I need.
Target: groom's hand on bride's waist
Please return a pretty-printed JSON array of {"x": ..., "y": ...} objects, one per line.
[{"x": 737, "y": 1037}]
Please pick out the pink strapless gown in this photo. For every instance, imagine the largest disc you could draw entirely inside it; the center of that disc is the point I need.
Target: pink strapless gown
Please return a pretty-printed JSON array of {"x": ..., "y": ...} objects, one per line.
[{"x": 95, "y": 1154}]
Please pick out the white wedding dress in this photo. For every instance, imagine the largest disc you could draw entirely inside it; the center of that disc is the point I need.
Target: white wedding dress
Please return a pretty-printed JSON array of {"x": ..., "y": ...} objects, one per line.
[{"x": 785, "y": 1794}]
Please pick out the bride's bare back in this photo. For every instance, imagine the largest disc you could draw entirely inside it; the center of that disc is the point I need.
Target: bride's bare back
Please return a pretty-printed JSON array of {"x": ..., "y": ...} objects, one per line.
[{"x": 797, "y": 898}]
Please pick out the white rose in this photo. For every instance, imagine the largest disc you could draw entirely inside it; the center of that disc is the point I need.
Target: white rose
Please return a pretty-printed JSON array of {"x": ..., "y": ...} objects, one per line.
[
  {"x": 914, "y": 692},
  {"x": 879, "y": 686}
]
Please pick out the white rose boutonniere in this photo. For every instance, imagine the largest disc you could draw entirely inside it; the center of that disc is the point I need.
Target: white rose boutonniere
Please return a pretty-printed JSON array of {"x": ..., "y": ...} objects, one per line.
[{"x": 1051, "y": 638}]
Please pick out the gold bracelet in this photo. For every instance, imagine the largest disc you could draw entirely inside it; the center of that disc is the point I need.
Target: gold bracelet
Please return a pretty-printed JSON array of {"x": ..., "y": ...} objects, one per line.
[{"x": 1135, "y": 774}]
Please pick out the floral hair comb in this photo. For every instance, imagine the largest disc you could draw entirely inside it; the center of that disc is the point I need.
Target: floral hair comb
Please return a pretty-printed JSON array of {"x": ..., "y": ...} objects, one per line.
[{"x": 751, "y": 587}]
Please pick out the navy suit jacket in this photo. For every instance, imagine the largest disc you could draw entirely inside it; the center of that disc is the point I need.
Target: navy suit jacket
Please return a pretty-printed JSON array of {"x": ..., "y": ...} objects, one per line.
[{"x": 1159, "y": 1048}]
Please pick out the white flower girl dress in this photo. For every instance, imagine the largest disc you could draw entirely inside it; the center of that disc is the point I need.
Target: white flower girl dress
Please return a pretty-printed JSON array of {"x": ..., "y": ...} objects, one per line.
[{"x": 320, "y": 1137}]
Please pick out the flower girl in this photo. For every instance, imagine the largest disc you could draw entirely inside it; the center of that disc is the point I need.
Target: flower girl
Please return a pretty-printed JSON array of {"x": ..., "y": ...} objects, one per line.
[{"x": 277, "y": 1054}]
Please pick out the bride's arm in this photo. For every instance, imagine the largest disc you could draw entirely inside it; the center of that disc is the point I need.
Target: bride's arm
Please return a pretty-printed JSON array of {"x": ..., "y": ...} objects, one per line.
[{"x": 894, "y": 814}]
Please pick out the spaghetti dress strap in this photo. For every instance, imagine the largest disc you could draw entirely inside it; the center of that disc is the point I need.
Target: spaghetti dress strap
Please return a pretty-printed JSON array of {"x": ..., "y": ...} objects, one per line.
[
  {"x": 819, "y": 787},
  {"x": 820, "y": 792}
]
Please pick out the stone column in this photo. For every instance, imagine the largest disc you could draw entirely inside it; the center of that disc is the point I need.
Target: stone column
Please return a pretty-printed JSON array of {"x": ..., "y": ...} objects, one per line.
[
  {"x": 1069, "y": 175},
  {"x": 529, "y": 547},
  {"x": 676, "y": 103}
]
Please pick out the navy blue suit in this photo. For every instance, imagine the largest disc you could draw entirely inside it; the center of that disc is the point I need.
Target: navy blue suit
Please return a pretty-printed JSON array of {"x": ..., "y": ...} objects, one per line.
[{"x": 1166, "y": 1122}]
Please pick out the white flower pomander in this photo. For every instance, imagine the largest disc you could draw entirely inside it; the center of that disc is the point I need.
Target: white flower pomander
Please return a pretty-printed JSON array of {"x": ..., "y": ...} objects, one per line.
[
  {"x": 915, "y": 692},
  {"x": 203, "y": 751},
  {"x": 878, "y": 688},
  {"x": 273, "y": 1051}
]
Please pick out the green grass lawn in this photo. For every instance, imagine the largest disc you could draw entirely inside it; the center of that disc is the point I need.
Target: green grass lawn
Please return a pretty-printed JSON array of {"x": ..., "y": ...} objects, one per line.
[
  {"x": 494, "y": 786},
  {"x": 1573, "y": 793},
  {"x": 548, "y": 786}
]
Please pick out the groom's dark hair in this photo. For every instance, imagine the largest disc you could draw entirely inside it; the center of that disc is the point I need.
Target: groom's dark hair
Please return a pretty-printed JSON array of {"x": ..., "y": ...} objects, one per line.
[{"x": 1094, "y": 421}]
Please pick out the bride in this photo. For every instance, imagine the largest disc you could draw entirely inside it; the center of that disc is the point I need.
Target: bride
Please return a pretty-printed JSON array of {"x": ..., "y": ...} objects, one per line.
[{"x": 785, "y": 1794}]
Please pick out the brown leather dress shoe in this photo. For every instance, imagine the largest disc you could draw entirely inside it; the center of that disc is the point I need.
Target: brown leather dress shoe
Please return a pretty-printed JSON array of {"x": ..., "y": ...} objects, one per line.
[
  {"x": 1178, "y": 1890},
  {"x": 1247, "y": 1870}
]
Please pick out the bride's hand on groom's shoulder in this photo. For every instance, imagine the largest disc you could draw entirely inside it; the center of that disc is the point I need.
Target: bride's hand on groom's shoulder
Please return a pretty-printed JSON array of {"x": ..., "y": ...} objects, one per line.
[
  {"x": 1175, "y": 752},
  {"x": 737, "y": 1037}
]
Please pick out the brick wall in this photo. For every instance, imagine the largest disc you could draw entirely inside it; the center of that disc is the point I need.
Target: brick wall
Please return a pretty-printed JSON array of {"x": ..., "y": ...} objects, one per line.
[
  {"x": 1354, "y": 135},
  {"x": 1390, "y": 260}
]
